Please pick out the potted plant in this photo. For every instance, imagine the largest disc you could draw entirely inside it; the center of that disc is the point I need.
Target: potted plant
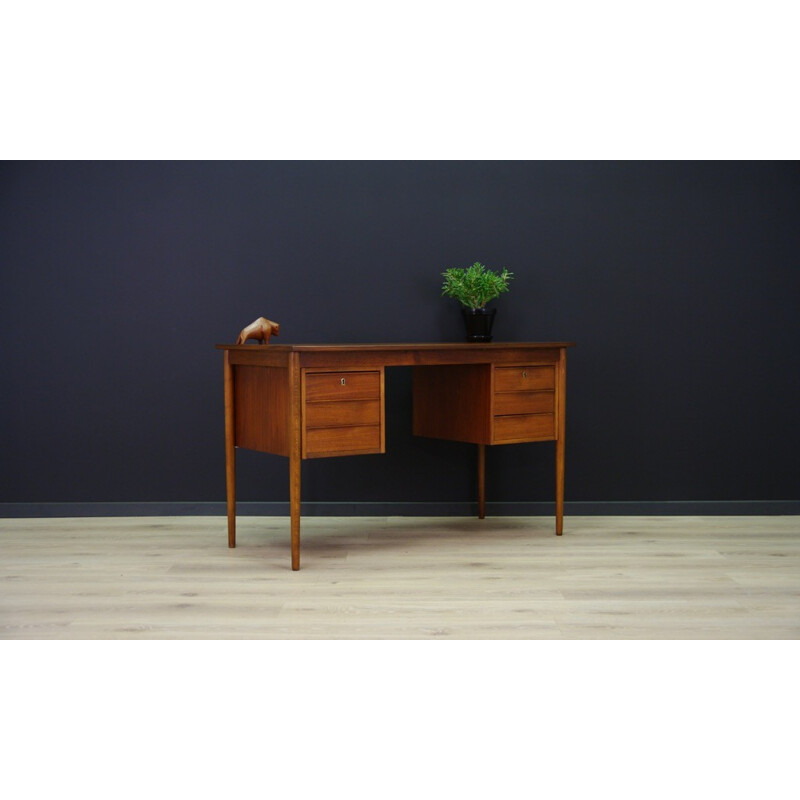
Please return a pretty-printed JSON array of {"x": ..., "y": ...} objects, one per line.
[{"x": 473, "y": 287}]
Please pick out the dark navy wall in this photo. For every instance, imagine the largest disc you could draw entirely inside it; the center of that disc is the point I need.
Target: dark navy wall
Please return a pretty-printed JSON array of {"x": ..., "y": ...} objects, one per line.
[{"x": 678, "y": 281}]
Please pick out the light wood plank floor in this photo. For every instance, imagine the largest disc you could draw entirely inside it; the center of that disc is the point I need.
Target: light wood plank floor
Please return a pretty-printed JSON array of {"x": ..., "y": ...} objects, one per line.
[{"x": 401, "y": 578}]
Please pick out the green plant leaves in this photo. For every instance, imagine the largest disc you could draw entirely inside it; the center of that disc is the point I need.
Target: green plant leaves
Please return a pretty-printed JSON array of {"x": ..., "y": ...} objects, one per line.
[{"x": 474, "y": 286}]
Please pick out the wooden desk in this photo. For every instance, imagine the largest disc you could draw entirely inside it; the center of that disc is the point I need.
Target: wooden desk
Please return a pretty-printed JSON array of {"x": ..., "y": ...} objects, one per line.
[{"x": 313, "y": 401}]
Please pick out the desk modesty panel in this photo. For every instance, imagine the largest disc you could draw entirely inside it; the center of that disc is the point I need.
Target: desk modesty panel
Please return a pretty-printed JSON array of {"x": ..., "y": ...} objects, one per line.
[{"x": 318, "y": 401}]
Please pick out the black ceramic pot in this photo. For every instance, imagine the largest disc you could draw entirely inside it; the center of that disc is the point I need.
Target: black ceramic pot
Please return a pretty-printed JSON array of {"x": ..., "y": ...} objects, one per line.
[{"x": 479, "y": 323}]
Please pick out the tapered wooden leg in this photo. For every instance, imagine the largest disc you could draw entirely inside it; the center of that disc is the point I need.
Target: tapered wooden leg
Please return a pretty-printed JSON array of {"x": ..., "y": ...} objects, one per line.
[
  {"x": 230, "y": 450},
  {"x": 559, "y": 487},
  {"x": 294, "y": 503},
  {"x": 481, "y": 481},
  {"x": 295, "y": 456},
  {"x": 561, "y": 419}
]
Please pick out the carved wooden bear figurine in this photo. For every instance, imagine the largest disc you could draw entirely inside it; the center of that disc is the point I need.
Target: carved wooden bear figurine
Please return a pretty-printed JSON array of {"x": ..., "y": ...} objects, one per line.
[{"x": 260, "y": 329}]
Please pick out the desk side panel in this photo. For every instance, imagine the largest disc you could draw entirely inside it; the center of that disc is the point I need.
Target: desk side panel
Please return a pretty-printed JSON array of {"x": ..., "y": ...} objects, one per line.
[{"x": 261, "y": 400}]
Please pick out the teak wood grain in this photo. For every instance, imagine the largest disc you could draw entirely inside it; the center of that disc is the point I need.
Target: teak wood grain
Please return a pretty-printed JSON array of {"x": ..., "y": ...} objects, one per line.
[
  {"x": 524, "y": 378},
  {"x": 352, "y": 385},
  {"x": 342, "y": 413},
  {"x": 524, "y": 428},
  {"x": 481, "y": 481},
  {"x": 262, "y": 409},
  {"x": 453, "y": 402},
  {"x": 340, "y": 356},
  {"x": 524, "y": 403},
  {"x": 295, "y": 454},
  {"x": 230, "y": 448},
  {"x": 561, "y": 422},
  {"x": 314, "y": 401},
  {"x": 259, "y": 356},
  {"x": 349, "y": 441}
]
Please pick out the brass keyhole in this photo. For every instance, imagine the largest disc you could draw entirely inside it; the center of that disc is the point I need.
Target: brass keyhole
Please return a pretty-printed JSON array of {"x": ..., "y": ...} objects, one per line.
[
  {"x": 524, "y": 374},
  {"x": 342, "y": 381}
]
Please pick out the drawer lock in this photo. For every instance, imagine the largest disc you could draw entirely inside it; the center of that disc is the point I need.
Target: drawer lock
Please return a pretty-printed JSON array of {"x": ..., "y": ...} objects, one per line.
[{"x": 343, "y": 381}]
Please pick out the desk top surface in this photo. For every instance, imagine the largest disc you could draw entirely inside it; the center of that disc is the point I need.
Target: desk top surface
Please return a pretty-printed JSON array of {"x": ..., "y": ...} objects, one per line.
[{"x": 342, "y": 348}]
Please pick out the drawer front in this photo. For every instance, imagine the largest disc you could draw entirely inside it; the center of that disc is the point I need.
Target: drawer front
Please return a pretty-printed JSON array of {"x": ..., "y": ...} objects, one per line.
[
  {"x": 342, "y": 386},
  {"x": 524, "y": 403},
  {"x": 338, "y": 441},
  {"x": 345, "y": 412},
  {"x": 524, "y": 427},
  {"x": 524, "y": 378}
]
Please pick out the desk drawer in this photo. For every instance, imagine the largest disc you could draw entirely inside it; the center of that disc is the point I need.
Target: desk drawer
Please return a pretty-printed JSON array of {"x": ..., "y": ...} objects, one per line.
[
  {"x": 524, "y": 428},
  {"x": 524, "y": 402},
  {"x": 341, "y": 441},
  {"x": 524, "y": 378},
  {"x": 323, "y": 386},
  {"x": 343, "y": 412}
]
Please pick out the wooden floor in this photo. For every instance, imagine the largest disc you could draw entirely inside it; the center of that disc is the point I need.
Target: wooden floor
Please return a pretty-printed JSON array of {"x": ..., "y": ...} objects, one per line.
[{"x": 401, "y": 578}]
